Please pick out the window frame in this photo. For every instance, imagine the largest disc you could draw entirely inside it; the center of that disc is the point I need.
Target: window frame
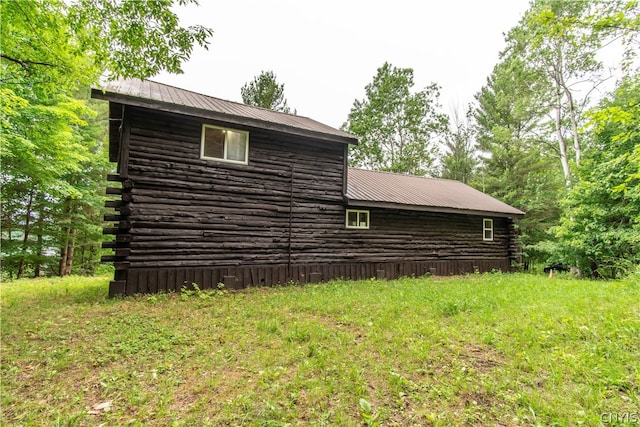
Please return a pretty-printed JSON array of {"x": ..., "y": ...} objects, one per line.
[
  {"x": 224, "y": 148},
  {"x": 490, "y": 229},
  {"x": 357, "y": 212}
]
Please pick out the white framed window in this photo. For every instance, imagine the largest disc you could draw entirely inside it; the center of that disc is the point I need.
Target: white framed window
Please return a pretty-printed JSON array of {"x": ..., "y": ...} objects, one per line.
[
  {"x": 357, "y": 219},
  {"x": 229, "y": 145},
  {"x": 487, "y": 229}
]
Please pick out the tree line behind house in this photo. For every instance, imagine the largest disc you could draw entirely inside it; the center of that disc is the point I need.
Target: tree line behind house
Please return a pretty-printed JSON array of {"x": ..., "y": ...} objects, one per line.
[{"x": 541, "y": 135}]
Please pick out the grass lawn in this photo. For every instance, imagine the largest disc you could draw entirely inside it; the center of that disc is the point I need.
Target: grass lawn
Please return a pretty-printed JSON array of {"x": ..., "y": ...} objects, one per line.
[{"x": 478, "y": 350}]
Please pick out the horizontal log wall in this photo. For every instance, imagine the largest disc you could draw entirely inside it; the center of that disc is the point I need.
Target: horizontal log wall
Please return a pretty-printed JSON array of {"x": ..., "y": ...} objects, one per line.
[
  {"x": 189, "y": 212},
  {"x": 185, "y": 220},
  {"x": 413, "y": 236}
]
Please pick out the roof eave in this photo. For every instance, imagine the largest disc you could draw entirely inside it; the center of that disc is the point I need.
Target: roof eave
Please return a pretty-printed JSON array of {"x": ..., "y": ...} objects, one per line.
[
  {"x": 214, "y": 115},
  {"x": 425, "y": 208}
]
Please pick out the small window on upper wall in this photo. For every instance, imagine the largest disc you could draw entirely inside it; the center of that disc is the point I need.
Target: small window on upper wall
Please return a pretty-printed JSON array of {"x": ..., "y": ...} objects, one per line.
[
  {"x": 357, "y": 219},
  {"x": 229, "y": 145},
  {"x": 487, "y": 229}
]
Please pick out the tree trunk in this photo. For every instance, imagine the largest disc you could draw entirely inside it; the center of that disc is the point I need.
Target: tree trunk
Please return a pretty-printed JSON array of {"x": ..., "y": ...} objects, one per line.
[
  {"x": 556, "y": 75},
  {"x": 64, "y": 249},
  {"x": 83, "y": 256},
  {"x": 574, "y": 123},
  {"x": 39, "y": 231},
  {"x": 63, "y": 257},
  {"x": 36, "y": 271},
  {"x": 10, "y": 235},
  {"x": 562, "y": 145},
  {"x": 66, "y": 259},
  {"x": 70, "y": 250},
  {"x": 27, "y": 230}
]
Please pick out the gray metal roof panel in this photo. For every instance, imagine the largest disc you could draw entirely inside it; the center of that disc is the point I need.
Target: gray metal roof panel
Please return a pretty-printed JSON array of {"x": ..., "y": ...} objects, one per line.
[{"x": 421, "y": 193}]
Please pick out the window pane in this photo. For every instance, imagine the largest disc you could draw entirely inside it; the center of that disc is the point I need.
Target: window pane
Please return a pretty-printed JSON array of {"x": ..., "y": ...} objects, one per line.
[
  {"x": 236, "y": 146},
  {"x": 352, "y": 219},
  {"x": 364, "y": 220},
  {"x": 487, "y": 229},
  {"x": 213, "y": 143}
]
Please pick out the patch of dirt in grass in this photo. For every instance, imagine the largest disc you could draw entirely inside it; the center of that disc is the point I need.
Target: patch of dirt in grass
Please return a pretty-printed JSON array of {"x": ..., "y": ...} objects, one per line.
[
  {"x": 477, "y": 399},
  {"x": 214, "y": 388},
  {"x": 482, "y": 359},
  {"x": 476, "y": 407}
]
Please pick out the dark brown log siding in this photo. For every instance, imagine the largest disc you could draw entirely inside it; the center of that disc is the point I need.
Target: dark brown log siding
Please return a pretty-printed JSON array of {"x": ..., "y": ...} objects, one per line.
[
  {"x": 187, "y": 211},
  {"x": 279, "y": 218},
  {"x": 397, "y": 235}
]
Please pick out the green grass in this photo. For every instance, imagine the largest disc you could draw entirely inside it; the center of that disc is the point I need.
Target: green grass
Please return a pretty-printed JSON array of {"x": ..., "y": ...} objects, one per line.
[{"x": 478, "y": 350}]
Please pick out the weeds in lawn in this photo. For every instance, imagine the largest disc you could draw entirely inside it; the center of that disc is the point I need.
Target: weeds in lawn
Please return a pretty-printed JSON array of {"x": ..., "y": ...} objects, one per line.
[
  {"x": 194, "y": 291},
  {"x": 367, "y": 414},
  {"x": 483, "y": 349}
]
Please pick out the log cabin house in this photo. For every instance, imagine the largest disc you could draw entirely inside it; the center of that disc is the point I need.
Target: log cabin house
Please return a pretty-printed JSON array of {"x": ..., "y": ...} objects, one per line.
[{"x": 212, "y": 191}]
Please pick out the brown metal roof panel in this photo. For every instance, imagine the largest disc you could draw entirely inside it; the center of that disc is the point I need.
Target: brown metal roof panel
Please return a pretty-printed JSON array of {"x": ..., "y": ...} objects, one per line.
[
  {"x": 166, "y": 94},
  {"x": 161, "y": 93},
  {"x": 175, "y": 96},
  {"x": 406, "y": 190}
]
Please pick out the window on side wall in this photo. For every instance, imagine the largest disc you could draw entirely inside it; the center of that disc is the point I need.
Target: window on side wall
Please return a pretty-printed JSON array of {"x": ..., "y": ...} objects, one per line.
[
  {"x": 487, "y": 229},
  {"x": 357, "y": 219},
  {"x": 228, "y": 145}
]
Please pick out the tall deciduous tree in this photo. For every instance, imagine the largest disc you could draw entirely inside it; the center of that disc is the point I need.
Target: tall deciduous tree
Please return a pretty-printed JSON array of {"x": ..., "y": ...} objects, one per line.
[
  {"x": 559, "y": 41},
  {"x": 265, "y": 91},
  {"x": 600, "y": 229},
  {"x": 398, "y": 129},
  {"x": 52, "y": 51},
  {"x": 76, "y": 41},
  {"x": 615, "y": 21},
  {"x": 532, "y": 109}
]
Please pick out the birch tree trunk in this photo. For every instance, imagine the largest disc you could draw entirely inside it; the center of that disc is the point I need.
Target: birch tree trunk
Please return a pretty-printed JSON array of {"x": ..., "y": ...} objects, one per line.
[{"x": 562, "y": 145}]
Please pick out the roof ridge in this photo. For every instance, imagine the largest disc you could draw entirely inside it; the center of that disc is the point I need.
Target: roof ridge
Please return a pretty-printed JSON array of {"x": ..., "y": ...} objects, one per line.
[
  {"x": 224, "y": 100},
  {"x": 408, "y": 175}
]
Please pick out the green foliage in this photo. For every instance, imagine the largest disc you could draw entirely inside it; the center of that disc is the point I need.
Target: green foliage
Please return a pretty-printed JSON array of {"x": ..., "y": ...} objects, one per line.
[
  {"x": 51, "y": 137},
  {"x": 531, "y": 111},
  {"x": 397, "y": 128},
  {"x": 610, "y": 19},
  {"x": 194, "y": 291},
  {"x": 70, "y": 44},
  {"x": 600, "y": 229},
  {"x": 459, "y": 161},
  {"x": 509, "y": 107},
  {"x": 557, "y": 42},
  {"x": 562, "y": 58},
  {"x": 519, "y": 166},
  {"x": 52, "y": 180},
  {"x": 518, "y": 349},
  {"x": 265, "y": 91}
]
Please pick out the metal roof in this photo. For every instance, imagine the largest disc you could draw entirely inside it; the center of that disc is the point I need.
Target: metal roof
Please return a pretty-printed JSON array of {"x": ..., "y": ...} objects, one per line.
[
  {"x": 150, "y": 94},
  {"x": 392, "y": 190}
]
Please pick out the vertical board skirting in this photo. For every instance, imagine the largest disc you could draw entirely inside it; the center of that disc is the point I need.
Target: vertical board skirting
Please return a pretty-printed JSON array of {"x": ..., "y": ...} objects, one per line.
[{"x": 145, "y": 281}]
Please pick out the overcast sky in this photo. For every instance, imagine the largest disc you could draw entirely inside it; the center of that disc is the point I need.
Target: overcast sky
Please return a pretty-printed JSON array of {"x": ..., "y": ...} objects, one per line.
[{"x": 326, "y": 52}]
